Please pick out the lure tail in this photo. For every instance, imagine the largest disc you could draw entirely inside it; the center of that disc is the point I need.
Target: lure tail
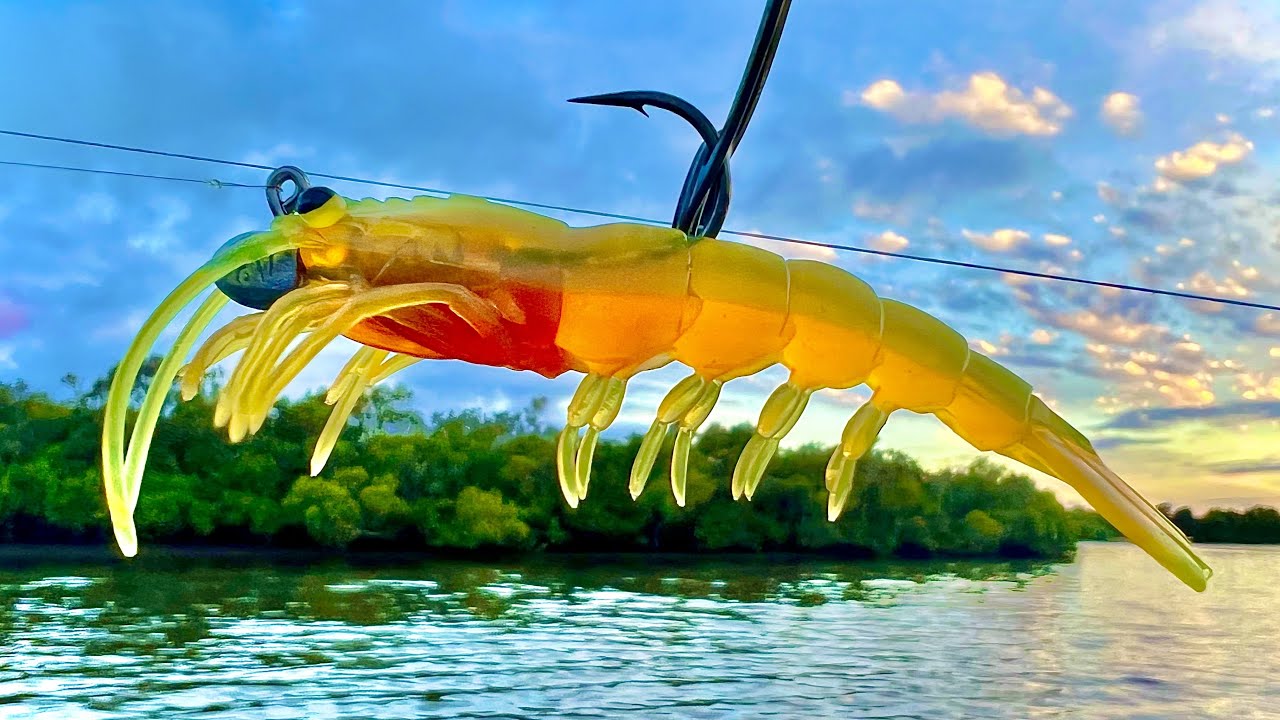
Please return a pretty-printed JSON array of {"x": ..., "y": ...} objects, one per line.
[{"x": 1056, "y": 454}]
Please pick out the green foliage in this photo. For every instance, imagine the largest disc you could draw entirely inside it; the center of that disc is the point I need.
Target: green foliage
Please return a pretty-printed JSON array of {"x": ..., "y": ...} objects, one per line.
[
  {"x": 477, "y": 518},
  {"x": 466, "y": 481},
  {"x": 327, "y": 509},
  {"x": 1256, "y": 525},
  {"x": 982, "y": 533}
]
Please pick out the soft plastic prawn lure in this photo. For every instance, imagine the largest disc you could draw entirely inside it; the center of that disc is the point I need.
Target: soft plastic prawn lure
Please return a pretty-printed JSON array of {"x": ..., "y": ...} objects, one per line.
[{"x": 467, "y": 279}]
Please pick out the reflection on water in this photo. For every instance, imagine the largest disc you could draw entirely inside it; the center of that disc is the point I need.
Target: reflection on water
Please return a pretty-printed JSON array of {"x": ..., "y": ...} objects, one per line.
[{"x": 224, "y": 636}]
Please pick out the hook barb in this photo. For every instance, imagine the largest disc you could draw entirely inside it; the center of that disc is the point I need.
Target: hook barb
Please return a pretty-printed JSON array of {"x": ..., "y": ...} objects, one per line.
[{"x": 704, "y": 197}]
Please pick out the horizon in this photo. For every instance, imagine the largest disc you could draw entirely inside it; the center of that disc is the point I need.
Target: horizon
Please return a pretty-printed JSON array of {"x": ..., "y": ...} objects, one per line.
[{"x": 1132, "y": 145}]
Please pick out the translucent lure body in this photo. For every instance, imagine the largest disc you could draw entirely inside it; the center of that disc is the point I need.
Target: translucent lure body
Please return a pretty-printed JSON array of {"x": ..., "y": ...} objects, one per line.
[{"x": 466, "y": 279}]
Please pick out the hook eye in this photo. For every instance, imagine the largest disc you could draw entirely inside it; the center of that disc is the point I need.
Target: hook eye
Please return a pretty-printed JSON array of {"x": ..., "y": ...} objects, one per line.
[{"x": 275, "y": 183}]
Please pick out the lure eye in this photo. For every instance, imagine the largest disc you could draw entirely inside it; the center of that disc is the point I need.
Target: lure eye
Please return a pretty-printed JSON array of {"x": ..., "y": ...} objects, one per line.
[
  {"x": 320, "y": 207},
  {"x": 259, "y": 284},
  {"x": 312, "y": 198}
]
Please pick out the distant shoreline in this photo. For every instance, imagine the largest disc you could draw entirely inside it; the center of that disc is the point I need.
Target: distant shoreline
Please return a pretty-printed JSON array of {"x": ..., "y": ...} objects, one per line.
[
  {"x": 471, "y": 485},
  {"x": 107, "y": 554}
]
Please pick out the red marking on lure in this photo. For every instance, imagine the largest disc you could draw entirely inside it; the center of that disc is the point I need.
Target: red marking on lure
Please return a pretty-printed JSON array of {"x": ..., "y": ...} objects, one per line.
[{"x": 435, "y": 330}]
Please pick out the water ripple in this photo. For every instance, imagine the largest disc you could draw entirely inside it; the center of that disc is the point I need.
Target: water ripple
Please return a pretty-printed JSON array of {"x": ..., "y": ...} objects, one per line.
[{"x": 1109, "y": 636}]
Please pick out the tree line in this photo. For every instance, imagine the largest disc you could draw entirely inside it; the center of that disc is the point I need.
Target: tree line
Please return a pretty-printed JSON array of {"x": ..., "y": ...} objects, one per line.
[
  {"x": 465, "y": 481},
  {"x": 1255, "y": 526}
]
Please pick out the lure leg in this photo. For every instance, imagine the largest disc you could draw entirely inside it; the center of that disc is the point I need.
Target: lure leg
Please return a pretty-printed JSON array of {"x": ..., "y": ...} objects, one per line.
[
  {"x": 595, "y": 405},
  {"x": 365, "y": 369},
  {"x": 476, "y": 311},
  {"x": 353, "y": 379},
  {"x": 687, "y": 406},
  {"x": 230, "y": 338},
  {"x": 279, "y": 325},
  {"x": 859, "y": 435},
  {"x": 780, "y": 413},
  {"x": 393, "y": 365},
  {"x": 377, "y": 373}
]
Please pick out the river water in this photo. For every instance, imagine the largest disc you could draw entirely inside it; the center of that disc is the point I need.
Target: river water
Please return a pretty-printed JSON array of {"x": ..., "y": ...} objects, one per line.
[{"x": 225, "y": 635}]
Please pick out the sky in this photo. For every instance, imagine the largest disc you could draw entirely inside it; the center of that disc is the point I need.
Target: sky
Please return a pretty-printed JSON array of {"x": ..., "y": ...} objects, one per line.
[{"x": 1127, "y": 142}]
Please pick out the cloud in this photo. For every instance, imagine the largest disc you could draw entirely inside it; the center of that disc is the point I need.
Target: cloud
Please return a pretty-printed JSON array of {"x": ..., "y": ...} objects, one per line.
[
  {"x": 1228, "y": 29},
  {"x": 1056, "y": 240},
  {"x": 1108, "y": 194},
  {"x": 95, "y": 207},
  {"x": 162, "y": 235},
  {"x": 1203, "y": 159},
  {"x": 1246, "y": 467},
  {"x": 1120, "y": 110},
  {"x": 1148, "y": 418},
  {"x": 1002, "y": 240},
  {"x": 942, "y": 169},
  {"x": 988, "y": 102},
  {"x": 889, "y": 241},
  {"x": 1128, "y": 345},
  {"x": 789, "y": 249},
  {"x": 1267, "y": 323},
  {"x": 1203, "y": 283}
]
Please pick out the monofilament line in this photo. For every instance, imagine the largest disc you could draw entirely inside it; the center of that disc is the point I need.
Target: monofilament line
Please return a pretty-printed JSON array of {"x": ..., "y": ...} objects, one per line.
[{"x": 614, "y": 216}]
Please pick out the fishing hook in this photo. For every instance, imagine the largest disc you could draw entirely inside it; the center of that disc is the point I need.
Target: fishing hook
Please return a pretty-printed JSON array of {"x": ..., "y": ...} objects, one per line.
[{"x": 704, "y": 197}]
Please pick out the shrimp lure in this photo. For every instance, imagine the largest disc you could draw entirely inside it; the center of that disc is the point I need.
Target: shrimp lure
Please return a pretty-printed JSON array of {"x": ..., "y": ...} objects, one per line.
[{"x": 467, "y": 279}]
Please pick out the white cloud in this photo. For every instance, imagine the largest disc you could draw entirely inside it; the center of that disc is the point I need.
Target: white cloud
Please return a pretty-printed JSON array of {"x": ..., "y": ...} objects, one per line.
[
  {"x": 1056, "y": 240},
  {"x": 1040, "y": 336},
  {"x": 1203, "y": 159},
  {"x": 889, "y": 241},
  {"x": 1204, "y": 283},
  {"x": 170, "y": 212},
  {"x": 988, "y": 102},
  {"x": 1268, "y": 323},
  {"x": 1120, "y": 110},
  {"x": 95, "y": 207},
  {"x": 1002, "y": 240},
  {"x": 868, "y": 210},
  {"x": 1228, "y": 29},
  {"x": 279, "y": 154},
  {"x": 790, "y": 250},
  {"x": 1109, "y": 194}
]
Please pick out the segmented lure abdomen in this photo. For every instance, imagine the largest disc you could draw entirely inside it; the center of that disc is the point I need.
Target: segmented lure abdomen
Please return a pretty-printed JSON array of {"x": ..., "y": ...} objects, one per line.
[
  {"x": 732, "y": 288},
  {"x": 838, "y": 321},
  {"x": 626, "y": 305}
]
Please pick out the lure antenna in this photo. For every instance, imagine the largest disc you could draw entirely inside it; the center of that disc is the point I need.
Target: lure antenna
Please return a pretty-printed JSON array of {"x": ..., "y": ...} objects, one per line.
[{"x": 704, "y": 198}]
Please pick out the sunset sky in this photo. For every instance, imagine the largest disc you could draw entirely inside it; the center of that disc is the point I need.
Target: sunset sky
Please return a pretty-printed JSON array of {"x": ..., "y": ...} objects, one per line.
[{"x": 1131, "y": 142}]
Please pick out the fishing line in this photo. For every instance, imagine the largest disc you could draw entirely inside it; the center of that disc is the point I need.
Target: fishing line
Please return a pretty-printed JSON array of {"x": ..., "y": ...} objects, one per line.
[
  {"x": 614, "y": 216},
  {"x": 211, "y": 182}
]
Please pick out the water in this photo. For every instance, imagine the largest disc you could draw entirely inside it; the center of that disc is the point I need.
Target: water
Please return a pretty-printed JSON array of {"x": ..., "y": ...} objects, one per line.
[{"x": 223, "y": 636}]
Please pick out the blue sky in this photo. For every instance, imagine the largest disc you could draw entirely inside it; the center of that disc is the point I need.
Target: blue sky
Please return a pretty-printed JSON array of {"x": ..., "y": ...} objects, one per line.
[{"x": 1133, "y": 142}]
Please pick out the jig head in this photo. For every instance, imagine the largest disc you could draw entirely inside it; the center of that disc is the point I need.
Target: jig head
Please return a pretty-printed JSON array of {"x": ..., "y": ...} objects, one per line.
[{"x": 259, "y": 284}]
